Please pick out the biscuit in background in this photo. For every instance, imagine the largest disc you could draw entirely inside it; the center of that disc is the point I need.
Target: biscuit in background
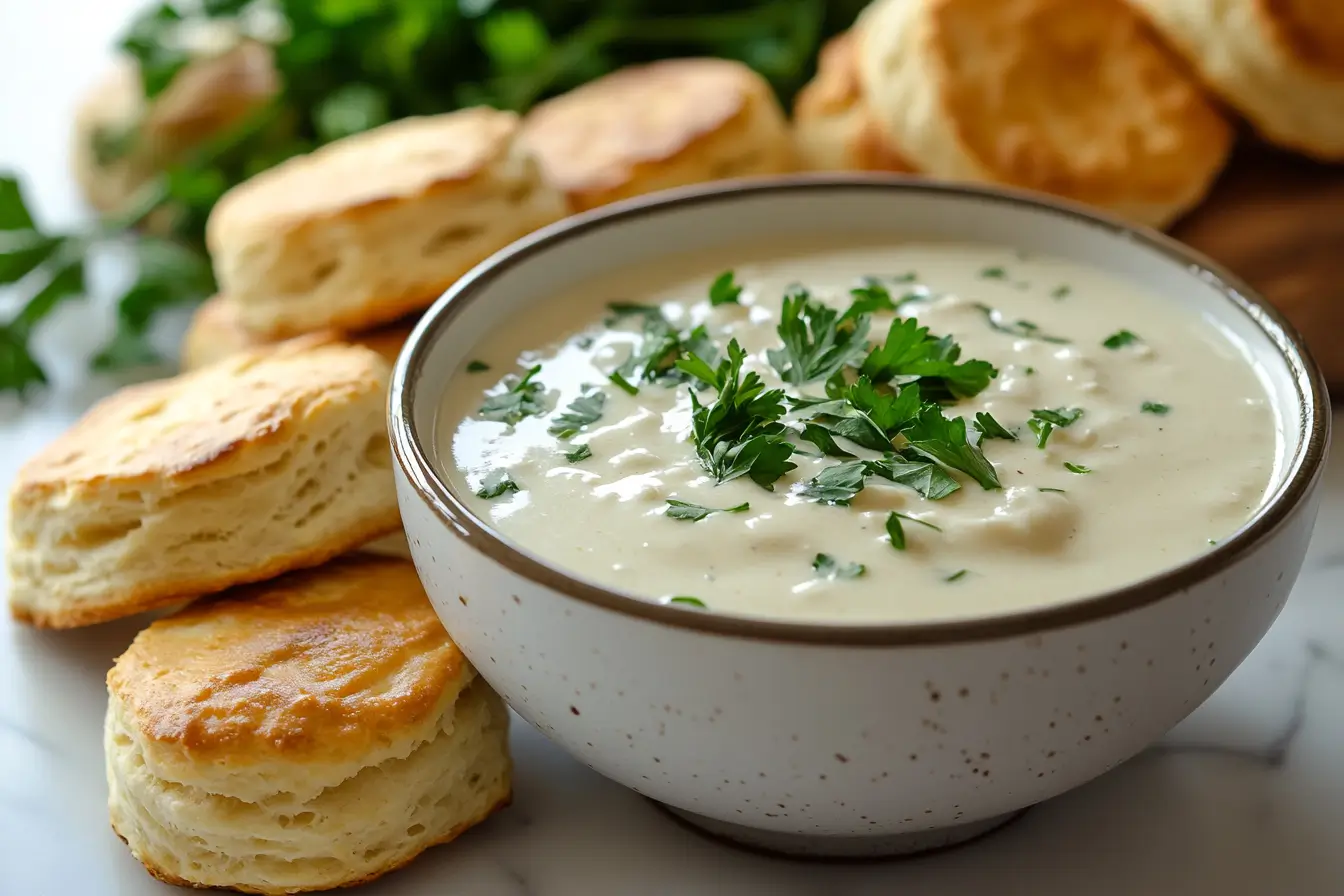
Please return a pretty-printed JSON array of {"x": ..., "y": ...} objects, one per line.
[
  {"x": 311, "y": 732},
  {"x": 1077, "y": 99},
  {"x": 269, "y": 461},
  {"x": 1281, "y": 65},
  {"x": 368, "y": 229},
  {"x": 656, "y": 126},
  {"x": 833, "y": 129},
  {"x": 215, "y": 334}
]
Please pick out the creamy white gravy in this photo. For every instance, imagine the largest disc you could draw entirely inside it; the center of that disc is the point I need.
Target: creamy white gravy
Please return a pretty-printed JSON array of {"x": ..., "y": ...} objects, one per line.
[{"x": 1163, "y": 487}]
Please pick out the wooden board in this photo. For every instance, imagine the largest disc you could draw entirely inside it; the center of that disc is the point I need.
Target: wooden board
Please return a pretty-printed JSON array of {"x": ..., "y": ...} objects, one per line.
[{"x": 1278, "y": 222}]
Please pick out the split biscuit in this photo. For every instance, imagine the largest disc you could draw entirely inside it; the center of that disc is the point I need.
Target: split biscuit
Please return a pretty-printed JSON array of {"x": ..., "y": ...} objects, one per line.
[
  {"x": 370, "y": 228},
  {"x": 1077, "y": 99},
  {"x": 311, "y": 732},
  {"x": 1280, "y": 64},
  {"x": 215, "y": 334},
  {"x": 269, "y": 461},
  {"x": 833, "y": 129},
  {"x": 652, "y": 127}
]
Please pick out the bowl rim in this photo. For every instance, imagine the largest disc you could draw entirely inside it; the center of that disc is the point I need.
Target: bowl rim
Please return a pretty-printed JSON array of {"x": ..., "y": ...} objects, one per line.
[{"x": 430, "y": 487}]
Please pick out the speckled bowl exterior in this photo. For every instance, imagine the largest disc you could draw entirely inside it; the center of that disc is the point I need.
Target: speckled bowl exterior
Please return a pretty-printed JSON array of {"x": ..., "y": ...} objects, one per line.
[{"x": 849, "y": 740}]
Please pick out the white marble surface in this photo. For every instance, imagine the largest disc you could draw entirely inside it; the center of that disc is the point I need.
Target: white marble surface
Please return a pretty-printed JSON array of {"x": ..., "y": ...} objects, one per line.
[{"x": 1246, "y": 798}]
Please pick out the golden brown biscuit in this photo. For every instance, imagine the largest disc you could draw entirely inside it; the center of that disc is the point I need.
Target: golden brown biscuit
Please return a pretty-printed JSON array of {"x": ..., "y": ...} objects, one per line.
[
  {"x": 1280, "y": 63},
  {"x": 215, "y": 334},
  {"x": 1078, "y": 99},
  {"x": 833, "y": 130},
  {"x": 370, "y": 228},
  {"x": 120, "y": 142},
  {"x": 656, "y": 126},
  {"x": 269, "y": 461},
  {"x": 311, "y": 732}
]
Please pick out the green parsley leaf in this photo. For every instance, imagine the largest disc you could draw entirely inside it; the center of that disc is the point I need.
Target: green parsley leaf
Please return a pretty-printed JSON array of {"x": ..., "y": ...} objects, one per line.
[
  {"x": 1076, "y": 468},
  {"x": 23, "y": 251},
  {"x": 623, "y": 384},
  {"x": 1042, "y": 429},
  {"x": 1056, "y": 491},
  {"x": 477, "y": 367},
  {"x": 897, "y": 534},
  {"x": 836, "y": 484},
  {"x": 925, "y": 477},
  {"x": 994, "y": 273},
  {"x": 1155, "y": 407},
  {"x": 582, "y": 411},
  {"x": 681, "y": 510},
  {"x": 944, "y": 439},
  {"x": 870, "y": 298},
  {"x": 990, "y": 428},
  {"x": 957, "y": 576},
  {"x": 580, "y": 452},
  {"x": 907, "y": 277},
  {"x": 497, "y": 483},
  {"x": 1120, "y": 339},
  {"x": 688, "y": 601},
  {"x": 910, "y": 352},
  {"x": 523, "y": 399},
  {"x": 821, "y": 437},
  {"x": 889, "y": 412},
  {"x": 1062, "y": 291},
  {"x": 818, "y": 340},
  {"x": 1058, "y": 416},
  {"x": 739, "y": 434},
  {"x": 662, "y": 346},
  {"x": 724, "y": 290},
  {"x": 827, "y": 567},
  {"x": 1023, "y": 329}
]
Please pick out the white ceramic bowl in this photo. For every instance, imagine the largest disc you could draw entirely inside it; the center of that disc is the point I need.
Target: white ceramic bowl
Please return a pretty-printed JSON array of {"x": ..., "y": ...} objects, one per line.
[{"x": 845, "y": 739}]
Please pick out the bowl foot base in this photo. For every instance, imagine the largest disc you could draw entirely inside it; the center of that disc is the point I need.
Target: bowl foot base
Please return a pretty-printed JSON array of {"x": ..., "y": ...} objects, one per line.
[{"x": 804, "y": 846}]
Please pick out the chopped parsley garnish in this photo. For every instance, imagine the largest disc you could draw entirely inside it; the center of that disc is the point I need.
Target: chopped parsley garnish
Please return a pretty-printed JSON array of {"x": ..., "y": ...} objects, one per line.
[
  {"x": 1023, "y": 329},
  {"x": 1076, "y": 468},
  {"x": 661, "y": 346},
  {"x": 990, "y": 428},
  {"x": 925, "y": 477},
  {"x": 622, "y": 383},
  {"x": 907, "y": 277},
  {"x": 682, "y": 510},
  {"x": 821, "y": 437},
  {"x": 688, "y": 601},
  {"x": 909, "y": 352},
  {"x": 994, "y": 274},
  {"x": 724, "y": 290},
  {"x": 818, "y": 340},
  {"x": 1155, "y": 407},
  {"x": 495, "y": 484},
  {"x": 944, "y": 439},
  {"x": 582, "y": 411},
  {"x": 1029, "y": 371},
  {"x": 580, "y": 452},
  {"x": 827, "y": 567},
  {"x": 871, "y": 297},
  {"x": 1058, "y": 416},
  {"x": 1042, "y": 430},
  {"x": 1056, "y": 491},
  {"x": 837, "y": 484},
  {"x": 740, "y": 433},
  {"x": 477, "y": 366},
  {"x": 897, "y": 534},
  {"x": 1061, "y": 292},
  {"x": 1120, "y": 339},
  {"x": 957, "y": 576},
  {"x": 523, "y": 399}
]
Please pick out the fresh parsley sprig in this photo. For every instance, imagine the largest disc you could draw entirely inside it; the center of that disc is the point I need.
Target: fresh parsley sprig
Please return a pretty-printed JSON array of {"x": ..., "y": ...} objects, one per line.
[
  {"x": 684, "y": 510},
  {"x": 584, "y": 410},
  {"x": 818, "y": 339},
  {"x": 739, "y": 433},
  {"x": 525, "y": 397}
]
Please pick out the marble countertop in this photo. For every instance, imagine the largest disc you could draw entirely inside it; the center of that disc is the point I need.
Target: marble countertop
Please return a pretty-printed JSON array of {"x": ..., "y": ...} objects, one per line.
[{"x": 1245, "y": 798}]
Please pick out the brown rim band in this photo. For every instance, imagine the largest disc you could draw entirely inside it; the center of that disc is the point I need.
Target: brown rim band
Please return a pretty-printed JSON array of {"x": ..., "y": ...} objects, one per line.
[{"x": 1304, "y": 466}]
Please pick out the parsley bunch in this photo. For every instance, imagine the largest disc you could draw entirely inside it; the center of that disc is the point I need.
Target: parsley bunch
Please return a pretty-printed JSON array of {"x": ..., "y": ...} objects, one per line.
[{"x": 345, "y": 66}]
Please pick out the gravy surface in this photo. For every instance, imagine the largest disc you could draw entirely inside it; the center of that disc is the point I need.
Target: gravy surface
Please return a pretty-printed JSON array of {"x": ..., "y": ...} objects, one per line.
[{"x": 1176, "y": 431}]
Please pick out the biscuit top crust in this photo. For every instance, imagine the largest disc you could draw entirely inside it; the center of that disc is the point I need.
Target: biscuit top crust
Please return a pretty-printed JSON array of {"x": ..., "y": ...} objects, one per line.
[
  {"x": 330, "y": 662},
  {"x": 208, "y": 424},
  {"x": 1310, "y": 32},
  {"x": 1078, "y": 99},
  {"x": 397, "y": 161},
  {"x": 592, "y": 137},
  {"x": 836, "y": 87}
]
